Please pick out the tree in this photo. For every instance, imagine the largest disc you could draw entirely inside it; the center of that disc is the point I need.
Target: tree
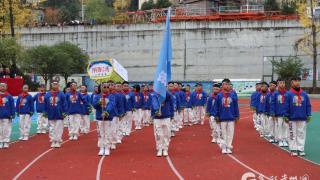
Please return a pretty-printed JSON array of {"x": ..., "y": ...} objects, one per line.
[
  {"x": 41, "y": 60},
  {"x": 286, "y": 69},
  {"x": 289, "y": 7},
  {"x": 308, "y": 43},
  {"x": 163, "y": 4},
  {"x": 99, "y": 10},
  {"x": 121, "y": 5},
  {"x": 68, "y": 10},
  {"x": 14, "y": 14},
  {"x": 72, "y": 60},
  {"x": 148, "y": 5},
  {"x": 10, "y": 51},
  {"x": 271, "y": 5},
  {"x": 134, "y": 5}
]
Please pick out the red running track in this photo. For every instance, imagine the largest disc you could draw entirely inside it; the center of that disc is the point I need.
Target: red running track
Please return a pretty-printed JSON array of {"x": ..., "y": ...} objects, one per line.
[{"x": 192, "y": 154}]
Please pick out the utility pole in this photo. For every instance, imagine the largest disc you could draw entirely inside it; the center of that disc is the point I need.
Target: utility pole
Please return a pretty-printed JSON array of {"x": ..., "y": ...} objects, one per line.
[
  {"x": 314, "y": 48},
  {"x": 82, "y": 11}
]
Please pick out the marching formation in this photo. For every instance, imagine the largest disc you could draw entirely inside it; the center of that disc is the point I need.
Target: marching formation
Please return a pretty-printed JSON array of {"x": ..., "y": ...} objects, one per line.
[{"x": 280, "y": 115}]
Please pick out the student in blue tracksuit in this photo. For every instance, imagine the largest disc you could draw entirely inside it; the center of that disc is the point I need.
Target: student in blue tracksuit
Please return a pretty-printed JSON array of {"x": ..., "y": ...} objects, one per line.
[
  {"x": 7, "y": 112},
  {"x": 277, "y": 110},
  {"x": 95, "y": 92},
  {"x": 176, "y": 107},
  {"x": 130, "y": 105},
  {"x": 39, "y": 100},
  {"x": 162, "y": 112},
  {"x": 137, "y": 114},
  {"x": 226, "y": 111},
  {"x": 298, "y": 113},
  {"x": 25, "y": 109},
  {"x": 188, "y": 111},
  {"x": 181, "y": 96},
  {"x": 183, "y": 104},
  {"x": 105, "y": 106},
  {"x": 270, "y": 119},
  {"x": 262, "y": 109},
  {"x": 215, "y": 126},
  {"x": 121, "y": 106},
  {"x": 198, "y": 100},
  {"x": 55, "y": 111},
  {"x": 146, "y": 113},
  {"x": 74, "y": 100},
  {"x": 254, "y": 105},
  {"x": 85, "y": 110}
]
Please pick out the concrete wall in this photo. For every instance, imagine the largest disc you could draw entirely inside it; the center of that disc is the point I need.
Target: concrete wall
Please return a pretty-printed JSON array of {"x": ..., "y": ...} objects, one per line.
[{"x": 201, "y": 50}]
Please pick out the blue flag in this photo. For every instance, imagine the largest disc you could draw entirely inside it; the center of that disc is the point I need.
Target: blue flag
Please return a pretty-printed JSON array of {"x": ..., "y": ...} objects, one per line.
[{"x": 163, "y": 73}]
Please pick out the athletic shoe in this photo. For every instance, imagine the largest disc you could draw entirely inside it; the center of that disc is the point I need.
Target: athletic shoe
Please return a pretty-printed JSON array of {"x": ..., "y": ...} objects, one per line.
[
  {"x": 302, "y": 153},
  {"x": 26, "y": 138},
  {"x": 165, "y": 153},
  {"x": 75, "y": 137},
  {"x": 106, "y": 152},
  {"x": 285, "y": 144},
  {"x": 159, "y": 153},
  {"x": 1, "y": 145},
  {"x": 38, "y": 132},
  {"x": 53, "y": 144},
  {"x": 5, "y": 145},
  {"x": 21, "y": 138},
  {"x": 71, "y": 138},
  {"x": 173, "y": 134},
  {"x": 271, "y": 140},
  {"x": 280, "y": 144},
  {"x": 113, "y": 147},
  {"x": 229, "y": 151},
  {"x": 119, "y": 141},
  {"x": 101, "y": 152},
  {"x": 180, "y": 127},
  {"x": 57, "y": 145},
  {"x": 44, "y": 132},
  {"x": 294, "y": 153},
  {"x": 214, "y": 140},
  {"x": 224, "y": 151}
]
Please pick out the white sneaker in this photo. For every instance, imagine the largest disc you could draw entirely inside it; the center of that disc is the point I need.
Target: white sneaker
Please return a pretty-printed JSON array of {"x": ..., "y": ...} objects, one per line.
[
  {"x": 113, "y": 147},
  {"x": 285, "y": 144},
  {"x": 1, "y": 145},
  {"x": 44, "y": 132},
  {"x": 53, "y": 144},
  {"x": 57, "y": 145},
  {"x": 302, "y": 153},
  {"x": 119, "y": 141},
  {"x": 214, "y": 140},
  {"x": 26, "y": 138},
  {"x": 38, "y": 132},
  {"x": 71, "y": 138},
  {"x": 101, "y": 152},
  {"x": 106, "y": 152},
  {"x": 173, "y": 134},
  {"x": 21, "y": 138},
  {"x": 180, "y": 127},
  {"x": 159, "y": 153},
  {"x": 224, "y": 151},
  {"x": 280, "y": 144},
  {"x": 5, "y": 145},
  {"x": 75, "y": 137},
  {"x": 165, "y": 153},
  {"x": 294, "y": 153},
  {"x": 229, "y": 151}
]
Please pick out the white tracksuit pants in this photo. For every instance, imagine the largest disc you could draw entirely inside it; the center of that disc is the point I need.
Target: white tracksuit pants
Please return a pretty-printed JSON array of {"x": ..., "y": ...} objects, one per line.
[
  {"x": 5, "y": 130},
  {"x": 175, "y": 122},
  {"x": 263, "y": 119},
  {"x": 25, "y": 124},
  {"x": 227, "y": 132},
  {"x": 55, "y": 130},
  {"x": 199, "y": 114},
  {"x": 271, "y": 128},
  {"x": 66, "y": 121},
  {"x": 42, "y": 122},
  {"x": 137, "y": 115},
  {"x": 105, "y": 134},
  {"x": 118, "y": 128},
  {"x": 127, "y": 122},
  {"x": 297, "y": 138},
  {"x": 114, "y": 130},
  {"x": 188, "y": 116},
  {"x": 74, "y": 124},
  {"x": 85, "y": 124},
  {"x": 162, "y": 133},
  {"x": 282, "y": 129},
  {"x": 216, "y": 129},
  {"x": 146, "y": 116}
]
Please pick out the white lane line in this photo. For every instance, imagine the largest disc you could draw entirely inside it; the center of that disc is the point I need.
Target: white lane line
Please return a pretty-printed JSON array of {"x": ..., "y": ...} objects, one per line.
[
  {"x": 99, "y": 168},
  {"x": 176, "y": 172},
  {"x": 37, "y": 158},
  {"x": 249, "y": 168},
  {"x": 98, "y": 175}
]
